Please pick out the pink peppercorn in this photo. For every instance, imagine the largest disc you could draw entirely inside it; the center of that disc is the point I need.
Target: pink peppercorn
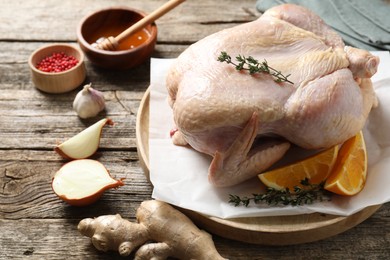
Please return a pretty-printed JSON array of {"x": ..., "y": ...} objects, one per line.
[{"x": 57, "y": 62}]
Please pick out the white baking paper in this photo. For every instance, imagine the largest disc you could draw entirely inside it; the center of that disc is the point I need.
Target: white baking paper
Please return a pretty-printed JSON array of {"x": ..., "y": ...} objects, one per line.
[{"x": 179, "y": 174}]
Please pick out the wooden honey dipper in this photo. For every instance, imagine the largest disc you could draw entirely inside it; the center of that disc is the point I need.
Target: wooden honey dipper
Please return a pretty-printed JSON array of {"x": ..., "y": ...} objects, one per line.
[{"x": 111, "y": 43}]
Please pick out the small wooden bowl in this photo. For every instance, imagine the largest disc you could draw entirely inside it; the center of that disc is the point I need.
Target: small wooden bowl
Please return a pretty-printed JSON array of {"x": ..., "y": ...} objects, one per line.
[
  {"x": 111, "y": 22},
  {"x": 57, "y": 82}
]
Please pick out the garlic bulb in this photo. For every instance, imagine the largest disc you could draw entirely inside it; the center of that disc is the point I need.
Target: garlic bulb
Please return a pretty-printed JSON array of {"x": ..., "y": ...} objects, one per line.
[{"x": 88, "y": 102}]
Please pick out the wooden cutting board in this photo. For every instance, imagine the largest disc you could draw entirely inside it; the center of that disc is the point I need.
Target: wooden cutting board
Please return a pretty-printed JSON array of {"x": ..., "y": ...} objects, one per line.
[{"x": 279, "y": 230}]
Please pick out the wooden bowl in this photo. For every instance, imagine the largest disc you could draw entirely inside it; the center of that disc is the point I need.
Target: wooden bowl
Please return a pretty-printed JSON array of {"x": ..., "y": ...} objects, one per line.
[
  {"x": 111, "y": 22},
  {"x": 57, "y": 82},
  {"x": 277, "y": 230}
]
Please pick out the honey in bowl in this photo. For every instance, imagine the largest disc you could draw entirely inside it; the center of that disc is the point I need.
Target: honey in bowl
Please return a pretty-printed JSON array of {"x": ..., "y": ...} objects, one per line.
[
  {"x": 130, "y": 42},
  {"x": 111, "y": 22}
]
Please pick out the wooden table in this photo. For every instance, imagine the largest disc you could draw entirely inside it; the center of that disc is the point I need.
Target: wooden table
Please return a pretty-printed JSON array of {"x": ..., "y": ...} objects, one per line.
[{"x": 34, "y": 223}]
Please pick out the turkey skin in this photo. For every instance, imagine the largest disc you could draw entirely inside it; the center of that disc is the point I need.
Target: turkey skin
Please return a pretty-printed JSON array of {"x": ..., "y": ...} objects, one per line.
[{"x": 248, "y": 122}]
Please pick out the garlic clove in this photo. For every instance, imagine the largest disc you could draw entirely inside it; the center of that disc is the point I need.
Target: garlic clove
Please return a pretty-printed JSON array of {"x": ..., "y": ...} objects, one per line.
[
  {"x": 85, "y": 143},
  {"x": 82, "y": 182},
  {"x": 88, "y": 102}
]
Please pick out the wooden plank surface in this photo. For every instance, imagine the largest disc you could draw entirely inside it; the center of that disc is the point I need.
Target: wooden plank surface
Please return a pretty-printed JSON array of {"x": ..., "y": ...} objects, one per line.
[{"x": 34, "y": 224}]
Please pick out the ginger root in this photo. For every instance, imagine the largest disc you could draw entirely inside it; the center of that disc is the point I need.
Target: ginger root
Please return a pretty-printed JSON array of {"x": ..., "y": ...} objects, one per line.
[{"x": 161, "y": 232}]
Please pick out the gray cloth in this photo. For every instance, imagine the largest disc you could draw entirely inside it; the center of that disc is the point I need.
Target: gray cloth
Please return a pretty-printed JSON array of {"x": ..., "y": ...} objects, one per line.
[{"x": 361, "y": 23}]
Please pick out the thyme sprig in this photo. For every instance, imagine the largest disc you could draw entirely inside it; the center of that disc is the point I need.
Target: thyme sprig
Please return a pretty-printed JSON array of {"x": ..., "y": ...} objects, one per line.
[
  {"x": 253, "y": 66},
  {"x": 300, "y": 196}
]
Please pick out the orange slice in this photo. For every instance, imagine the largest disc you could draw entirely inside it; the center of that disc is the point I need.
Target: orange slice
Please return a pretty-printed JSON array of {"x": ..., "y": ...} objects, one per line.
[
  {"x": 315, "y": 168},
  {"x": 349, "y": 174}
]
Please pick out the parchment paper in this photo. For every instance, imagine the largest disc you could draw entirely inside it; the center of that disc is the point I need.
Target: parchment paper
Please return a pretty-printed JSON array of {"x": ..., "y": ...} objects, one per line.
[{"x": 179, "y": 174}]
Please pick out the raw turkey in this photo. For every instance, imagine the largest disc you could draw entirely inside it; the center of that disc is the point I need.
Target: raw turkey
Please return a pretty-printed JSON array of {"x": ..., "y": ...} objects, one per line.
[{"x": 232, "y": 115}]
